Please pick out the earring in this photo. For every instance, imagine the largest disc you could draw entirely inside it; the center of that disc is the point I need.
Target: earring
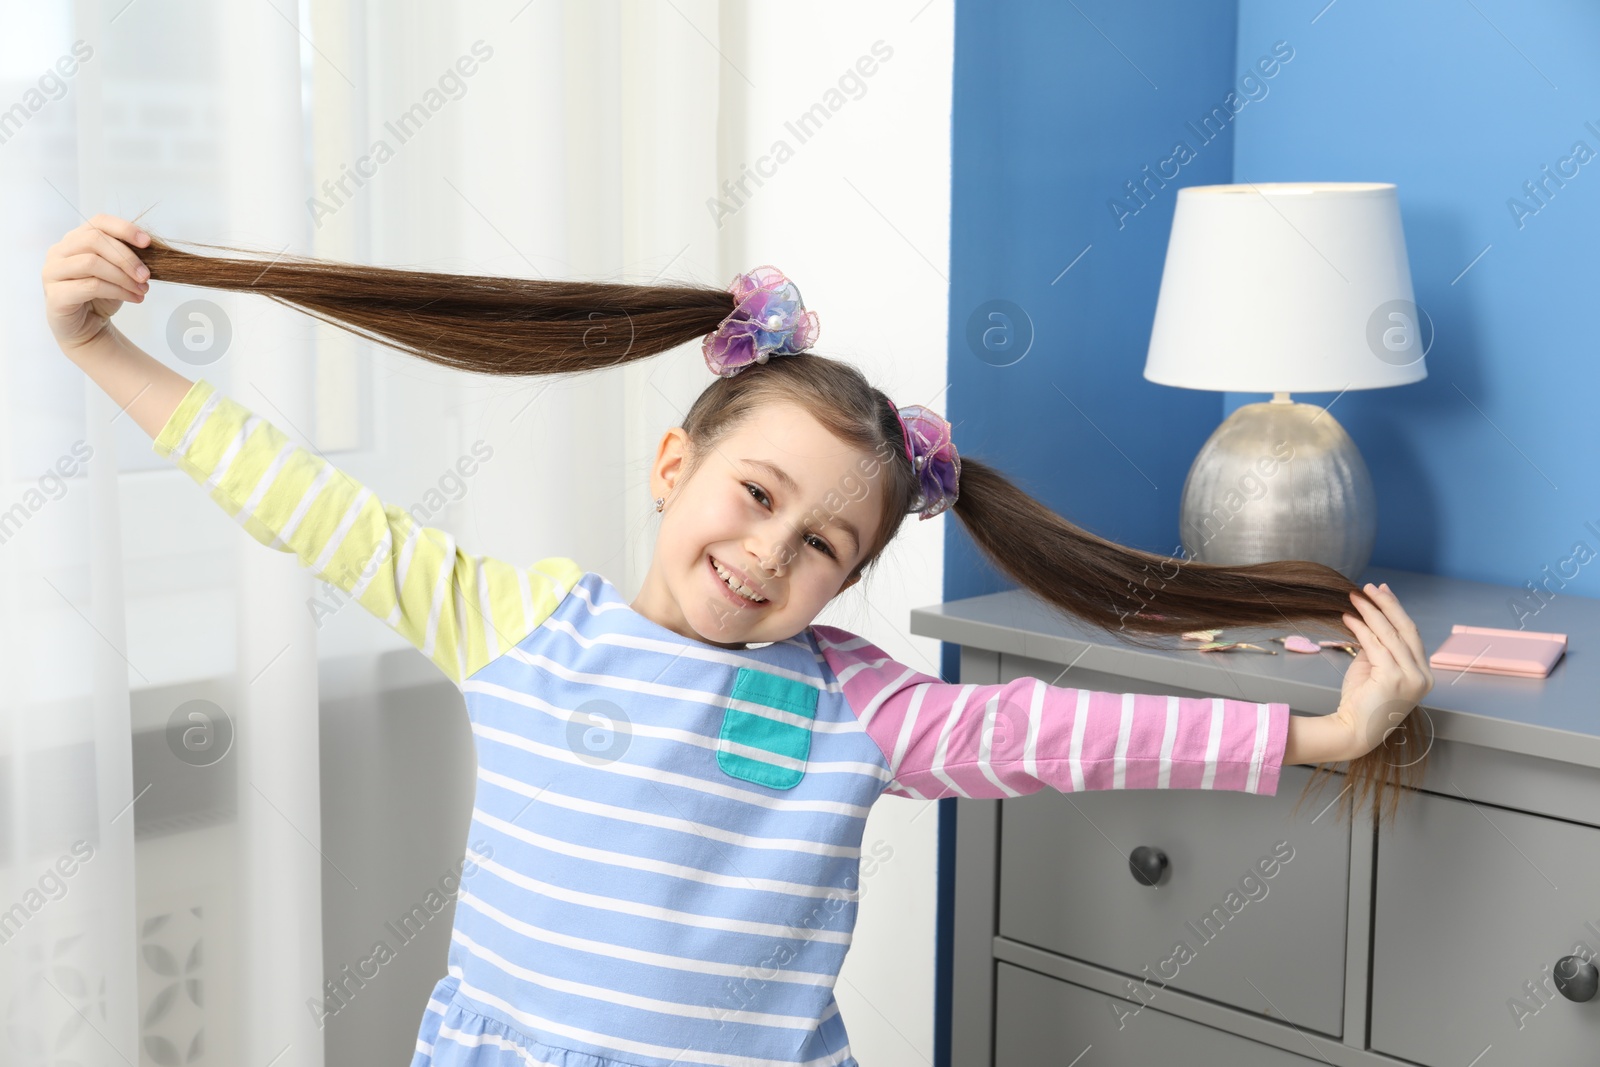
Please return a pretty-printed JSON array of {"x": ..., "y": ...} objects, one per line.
[{"x": 660, "y": 502}]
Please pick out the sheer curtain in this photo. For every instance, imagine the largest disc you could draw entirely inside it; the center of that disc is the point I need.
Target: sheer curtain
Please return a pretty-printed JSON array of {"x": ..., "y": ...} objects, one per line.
[{"x": 200, "y": 841}]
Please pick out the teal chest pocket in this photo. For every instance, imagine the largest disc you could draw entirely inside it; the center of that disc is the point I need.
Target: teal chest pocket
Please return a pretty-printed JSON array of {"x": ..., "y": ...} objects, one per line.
[{"x": 766, "y": 729}]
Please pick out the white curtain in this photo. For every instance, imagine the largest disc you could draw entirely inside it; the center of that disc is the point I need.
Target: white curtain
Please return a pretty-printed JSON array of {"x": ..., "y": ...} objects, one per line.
[{"x": 176, "y": 885}]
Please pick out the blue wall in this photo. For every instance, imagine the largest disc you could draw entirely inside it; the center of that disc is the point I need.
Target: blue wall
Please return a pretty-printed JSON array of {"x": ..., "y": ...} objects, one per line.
[
  {"x": 1485, "y": 470},
  {"x": 1051, "y": 122}
]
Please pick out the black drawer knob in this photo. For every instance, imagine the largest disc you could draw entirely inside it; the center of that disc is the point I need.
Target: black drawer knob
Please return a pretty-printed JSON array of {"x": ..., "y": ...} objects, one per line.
[
  {"x": 1576, "y": 978},
  {"x": 1147, "y": 864}
]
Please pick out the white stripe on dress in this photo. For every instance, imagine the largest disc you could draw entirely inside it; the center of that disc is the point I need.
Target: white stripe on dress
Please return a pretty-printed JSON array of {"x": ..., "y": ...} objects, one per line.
[
  {"x": 652, "y": 688},
  {"x": 1168, "y": 739},
  {"x": 370, "y": 569},
  {"x": 220, "y": 471},
  {"x": 907, "y": 729},
  {"x": 264, "y": 483},
  {"x": 760, "y": 755},
  {"x": 866, "y": 713},
  {"x": 986, "y": 746},
  {"x": 575, "y": 851},
  {"x": 491, "y": 634},
  {"x": 657, "y": 912},
  {"x": 673, "y": 734},
  {"x": 1252, "y": 782},
  {"x": 665, "y": 777},
  {"x": 633, "y": 955},
  {"x": 624, "y": 1045},
  {"x": 1119, "y": 761},
  {"x": 942, "y": 749},
  {"x": 1213, "y": 743},
  {"x": 844, "y": 646},
  {"x": 408, "y": 549},
  {"x": 319, "y": 481},
  {"x": 697, "y": 652},
  {"x": 206, "y": 408},
  {"x": 346, "y": 521},
  {"x": 1030, "y": 744},
  {"x": 1080, "y": 722},
  {"x": 631, "y": 685},
  {"x": 460, "y": 627},
  {"x": 462, "y": 1039},
  {"x": 441, "y": 586},
  {"x": 767, "y": 712},
  {"x": 545, "y": 795},
  {"x": 596, "y": 607},
  {"x": 631, "y": 1000}
]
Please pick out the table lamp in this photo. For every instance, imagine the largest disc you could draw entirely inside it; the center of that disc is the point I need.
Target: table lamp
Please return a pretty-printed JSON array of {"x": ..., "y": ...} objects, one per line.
[{"x": 1284, "y": 287}]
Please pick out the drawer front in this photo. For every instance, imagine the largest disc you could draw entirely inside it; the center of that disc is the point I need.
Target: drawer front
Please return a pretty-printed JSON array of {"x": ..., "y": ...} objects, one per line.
[
  {"x": 1251, "y": 910},
  {"x": 1471, "y": 903},
  {"x": 1042, "y": 1020}
]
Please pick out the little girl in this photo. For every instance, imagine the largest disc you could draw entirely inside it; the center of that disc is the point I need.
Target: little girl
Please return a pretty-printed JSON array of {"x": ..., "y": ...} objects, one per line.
[{"x": 675, "y": 788}]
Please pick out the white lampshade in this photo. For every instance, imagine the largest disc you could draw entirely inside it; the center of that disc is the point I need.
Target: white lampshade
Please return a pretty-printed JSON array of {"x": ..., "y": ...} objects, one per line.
[{"x": 1286, "y": 287}]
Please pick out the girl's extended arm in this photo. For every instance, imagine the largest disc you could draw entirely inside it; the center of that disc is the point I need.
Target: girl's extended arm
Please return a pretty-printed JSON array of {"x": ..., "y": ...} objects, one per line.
[
  {"x": 147, "y": 389},
  {"x": 459, "y": 610},
  {"x": 947, "y": 739}
]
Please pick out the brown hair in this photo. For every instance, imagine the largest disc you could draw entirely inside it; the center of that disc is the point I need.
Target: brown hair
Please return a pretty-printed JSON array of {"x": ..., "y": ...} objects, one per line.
[{"x": 522, "y": 327}]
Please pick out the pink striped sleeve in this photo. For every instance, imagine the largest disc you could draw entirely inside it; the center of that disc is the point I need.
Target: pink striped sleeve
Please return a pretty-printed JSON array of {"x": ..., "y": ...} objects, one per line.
[{"x": 945, "y": 739}]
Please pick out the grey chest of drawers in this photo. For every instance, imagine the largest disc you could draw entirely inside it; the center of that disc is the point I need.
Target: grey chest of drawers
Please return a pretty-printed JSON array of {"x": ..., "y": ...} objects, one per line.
[{"x": 1458, "y": 936}]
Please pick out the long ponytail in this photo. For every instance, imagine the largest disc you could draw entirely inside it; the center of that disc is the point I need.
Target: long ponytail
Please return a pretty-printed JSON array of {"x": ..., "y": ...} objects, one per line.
[
  {"x": 522, "y": 327},
  {"x": 505, "y": 326},
  {"x": 1139, "y": 596}
]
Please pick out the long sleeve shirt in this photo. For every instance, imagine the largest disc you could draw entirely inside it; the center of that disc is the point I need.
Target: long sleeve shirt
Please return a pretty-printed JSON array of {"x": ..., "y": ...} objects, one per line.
[{"x": 669, "y": 831}]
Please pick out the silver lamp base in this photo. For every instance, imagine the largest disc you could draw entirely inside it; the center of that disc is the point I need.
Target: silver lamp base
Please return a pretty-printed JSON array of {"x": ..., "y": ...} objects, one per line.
[{"x": 1280, "y": 480}]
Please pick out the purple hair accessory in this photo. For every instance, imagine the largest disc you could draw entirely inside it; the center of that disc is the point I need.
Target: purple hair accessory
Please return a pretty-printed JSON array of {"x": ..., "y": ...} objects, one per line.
[
  {"x": 933, "y": 458},
  {"x": 767, "y": 319}
]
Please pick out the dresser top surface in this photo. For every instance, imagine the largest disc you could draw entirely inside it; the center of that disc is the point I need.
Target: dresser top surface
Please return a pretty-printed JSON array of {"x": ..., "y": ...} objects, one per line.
[{"x": 1556, "y": 717}]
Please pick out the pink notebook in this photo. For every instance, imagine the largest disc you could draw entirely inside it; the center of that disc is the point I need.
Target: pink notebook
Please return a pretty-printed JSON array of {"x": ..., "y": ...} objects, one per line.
[{"x": 1486, "y": 650}]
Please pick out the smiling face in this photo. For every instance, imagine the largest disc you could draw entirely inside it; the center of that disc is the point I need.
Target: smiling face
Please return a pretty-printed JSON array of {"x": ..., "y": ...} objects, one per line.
[{"x": 779, "y": 505}]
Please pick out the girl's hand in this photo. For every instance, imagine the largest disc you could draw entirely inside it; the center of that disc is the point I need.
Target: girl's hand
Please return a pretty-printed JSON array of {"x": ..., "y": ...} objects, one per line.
[
  {"x": 88, "y": 274},
  {"x": 1390, "y": 675}
]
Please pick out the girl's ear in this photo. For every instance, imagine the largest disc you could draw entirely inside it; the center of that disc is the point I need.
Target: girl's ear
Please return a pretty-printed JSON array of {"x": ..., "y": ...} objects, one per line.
[
  {"x": 853, "y": 579},
  {"x": 669, "y": 461}
]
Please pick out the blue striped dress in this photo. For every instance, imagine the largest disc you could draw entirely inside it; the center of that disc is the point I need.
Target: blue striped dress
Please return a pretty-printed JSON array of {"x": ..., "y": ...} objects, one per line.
[{"x": 667, "y": 835}]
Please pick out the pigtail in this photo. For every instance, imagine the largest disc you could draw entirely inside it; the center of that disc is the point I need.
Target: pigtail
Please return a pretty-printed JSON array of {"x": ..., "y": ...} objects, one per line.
[
  {"x": 502, "y": 326},
  {"x": 1139, "y": 596}
]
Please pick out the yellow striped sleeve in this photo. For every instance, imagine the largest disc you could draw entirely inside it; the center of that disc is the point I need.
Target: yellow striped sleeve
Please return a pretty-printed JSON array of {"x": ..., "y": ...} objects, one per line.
[{"x": 460, "y": 611}]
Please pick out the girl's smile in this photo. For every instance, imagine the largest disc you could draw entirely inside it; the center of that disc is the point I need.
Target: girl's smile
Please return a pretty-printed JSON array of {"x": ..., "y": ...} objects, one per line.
[{"x": 737, "y": 584}]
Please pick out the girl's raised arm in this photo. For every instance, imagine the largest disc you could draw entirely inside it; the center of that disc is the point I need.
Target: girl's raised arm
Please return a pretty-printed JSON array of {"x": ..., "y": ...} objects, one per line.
[
  {"x": 461, "y": 611},
  {"x": 87, "y": 276}
]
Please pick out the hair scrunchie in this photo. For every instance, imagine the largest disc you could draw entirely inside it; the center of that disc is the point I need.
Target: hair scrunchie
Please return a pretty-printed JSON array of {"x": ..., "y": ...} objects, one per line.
[
  {"x": 933, "y": 458},
  {"x": 769, "y": 319}
]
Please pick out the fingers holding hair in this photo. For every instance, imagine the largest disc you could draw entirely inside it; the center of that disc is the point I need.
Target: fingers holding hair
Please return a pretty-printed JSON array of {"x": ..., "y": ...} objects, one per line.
[
  {"x": 1391, "y": 649},
  {"x": 120, "y": 228},
  {"x": 1371, "y": 643},
  {"x": 1402, "y": 623},
  {"x": 111, "y": 237},
  {"x": 92, "y": 253}
]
